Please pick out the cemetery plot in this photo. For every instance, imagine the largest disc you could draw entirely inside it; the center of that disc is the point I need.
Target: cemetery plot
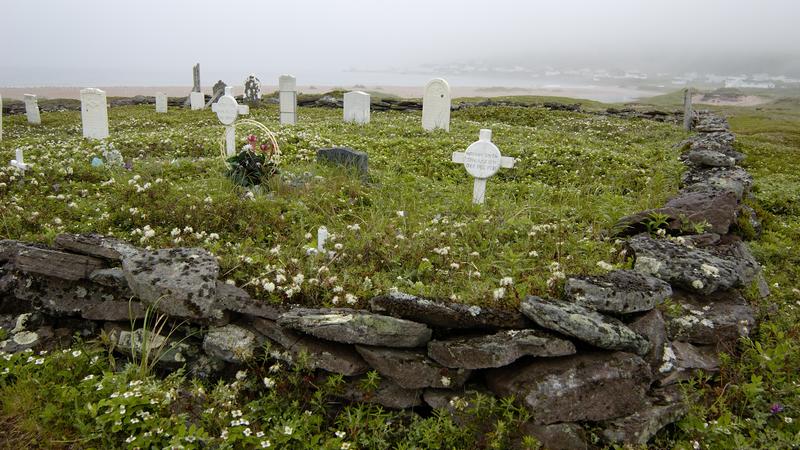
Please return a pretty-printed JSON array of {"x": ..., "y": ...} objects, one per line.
[{"x": 409, "y": 223}]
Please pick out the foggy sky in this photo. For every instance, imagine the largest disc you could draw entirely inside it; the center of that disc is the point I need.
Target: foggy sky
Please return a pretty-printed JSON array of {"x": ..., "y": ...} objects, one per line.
[{"x": 52, "y": 42}]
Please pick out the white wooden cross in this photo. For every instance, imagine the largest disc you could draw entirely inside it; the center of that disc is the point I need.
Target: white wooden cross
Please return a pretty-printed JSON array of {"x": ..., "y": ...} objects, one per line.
[
  {"x": 228, "y": 110},
  {"x": 482, "y": 159},
  {"x": 19, "y": 163}
]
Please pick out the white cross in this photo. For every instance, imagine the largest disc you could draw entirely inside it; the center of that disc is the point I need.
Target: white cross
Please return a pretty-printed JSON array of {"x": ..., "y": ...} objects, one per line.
[
  {"x": 228, "y": 110},
  {"x": 19, "y": 163},
  {"x": 482, "y": 159}
]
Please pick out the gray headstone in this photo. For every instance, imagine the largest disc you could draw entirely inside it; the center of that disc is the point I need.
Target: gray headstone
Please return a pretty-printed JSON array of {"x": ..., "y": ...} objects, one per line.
[
  {"x": 688, "y": 112},
  {"x": 218, "y": 91},
  {"x": 252, "y": 89},
  {"x": 346, "y": 157},
  {"x": 196, "y": 78}
]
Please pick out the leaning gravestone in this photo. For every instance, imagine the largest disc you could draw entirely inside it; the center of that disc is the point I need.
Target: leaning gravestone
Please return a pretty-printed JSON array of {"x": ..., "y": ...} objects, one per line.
[
  {"x": 252, "y": 90},
  {"x": 161, "y": 102},
  {"x": 228, "y": 110},
  {"x": 94, "y": 113},
  {"x": 436, "y": 105},
  {"x": 356, "y": 107},
  {"x": 32, "y": 109},
  {"x": 197, "y": 100},
  {"x": 287, "y": 91},
  {"x": 343, "y": 156},
  {"x": 482, "y": 160},
  {"x": 218, "y": 91},
  {"x": 687, "y": 109}
]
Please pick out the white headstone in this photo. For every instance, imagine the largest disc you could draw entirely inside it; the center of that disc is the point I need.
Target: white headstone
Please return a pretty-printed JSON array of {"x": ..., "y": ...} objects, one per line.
[
  {"x": 19, "y": 163},
  {"x": 436, "y": 105},
  {"x": 197, "y": 100},
  {"x": 287, "y": 90},
  {"x": 161, "y": 102},
  {"x": 322, "y": 237},
  {"x": 482, "y": 159},
  {"x": 94, "y": 113},
  {"x": 228, "y": 110},
  {"x": 356, "y": 107},
  {"x": 32, "y": 109}
]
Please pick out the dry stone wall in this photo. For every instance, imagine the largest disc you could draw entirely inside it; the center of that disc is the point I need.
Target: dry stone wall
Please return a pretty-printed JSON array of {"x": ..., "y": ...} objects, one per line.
[{"x": 607, "y": 354}]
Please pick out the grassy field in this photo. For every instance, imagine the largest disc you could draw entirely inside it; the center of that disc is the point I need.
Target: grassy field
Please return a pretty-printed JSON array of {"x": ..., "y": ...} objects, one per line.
[
  {"x": 411, "y": 226},
  {"x": 576, "y": 175}
]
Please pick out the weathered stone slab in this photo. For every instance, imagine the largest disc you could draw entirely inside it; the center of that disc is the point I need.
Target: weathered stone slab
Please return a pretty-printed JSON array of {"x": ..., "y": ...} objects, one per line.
[
  {"x": 388, "y": 394},
  {"x": 357, "y": 327},
  {"x": 734, "y": 179},
  {"x": 447, "y": 315},
  {"x": 620, "y": 291},
  {"x": 558, "y": 436},
  {"x": 24, "y": 340},
  {"x": 653, "y": 328},
  {"x": 412, "y": 369},
  {"x": 583, "y": 387},
  {"x": 584, "y": 324},
  {"x": 95, "y": 245},
  {"x": 710, "y": 158},
  {"x": 112, "y": 277},
  {"x": 237, "y": 300},
  {"x": 693, "y": 269},
  {"x": 640, "y": 427},
  {"x": 231, "y": 343},
  {"x": 683, "y": 360},
  {"x": 722, "y": 317},
  {"x": 345, "y": 157},
  {"x": 53, "y": 263},
  {"x": 497, "y": 350},
  {"x": 325, "y": 355},
  {"x": 180, "y": 282}
]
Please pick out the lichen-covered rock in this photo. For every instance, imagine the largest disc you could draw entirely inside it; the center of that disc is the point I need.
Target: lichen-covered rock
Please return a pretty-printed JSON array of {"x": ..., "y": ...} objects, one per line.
[
  {"x": 638, "y": 428},
  {"x": 446, "y": 315},
  {"x": 231, "y": 343},
  {"x": 710, "y": 158},
  {"x": 326, "y": 355},
  {"x": 734, "y": 179},
  {"x": 653, "y": 327},
  {"x": 238, "y": 300},
  {"x": 412, "y": 369},
  {"x": 497, "y": 350},
  {"x": 696, "y": 270},
  {"x": 357, "y": 327},
  {"x": 387, "y": 394},
  {"x": 25, "y": 340},
  {"x": 683, "y": 360},
  {"x": 53, "y": 263},
  {"x": 720, "y": 318},
  {"x": 112, "y": 277},
  {"x": 181, "y": 282},
  {"x": 620, "y": 291},
  {"x": 584, "y": 324},
  {"x": 96, "y": 245},
  {"x": 583, "y": 387}
]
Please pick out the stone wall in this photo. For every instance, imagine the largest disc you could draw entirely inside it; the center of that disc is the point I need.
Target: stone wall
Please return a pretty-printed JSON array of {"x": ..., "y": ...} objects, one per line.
[{"x": 607, "y": 354}]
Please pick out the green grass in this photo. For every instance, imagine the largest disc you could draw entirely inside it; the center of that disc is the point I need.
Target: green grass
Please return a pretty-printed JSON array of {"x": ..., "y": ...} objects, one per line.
[{"x": 411, "y": 226}]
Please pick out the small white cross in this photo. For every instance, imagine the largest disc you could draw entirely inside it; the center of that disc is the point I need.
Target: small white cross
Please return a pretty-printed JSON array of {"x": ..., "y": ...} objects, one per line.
[
  {"x": 19, "y": 163},
  {"x": 482, "y": 159},
  {"x": 228, "y": 111}
]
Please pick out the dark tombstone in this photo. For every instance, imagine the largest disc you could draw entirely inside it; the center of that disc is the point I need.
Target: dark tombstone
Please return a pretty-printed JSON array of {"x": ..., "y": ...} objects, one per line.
[
  {"x": 219, "y": 91},
  {"x": 252, "y": 90},
  {"x": 346, "y": 157}
]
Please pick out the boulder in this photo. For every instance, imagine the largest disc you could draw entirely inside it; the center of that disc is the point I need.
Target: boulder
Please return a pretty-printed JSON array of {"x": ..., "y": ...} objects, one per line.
[
  {"x": 720, "y": 318},
  {"x": 231, "y": 343},
  {"x": 497, "y": 350},
  {"x": 412, "y": 369},
  {"x": 356, "y": 327},
  {"x": 695, "y": 270},
  {"x": 583, "y": 387},
  {"x": 326, "y": 355},
  {"x": 619, "y": 292},
  {"x": 446, "y": 315},
  {"x": 180, "y": 282},
  {"x": 584, "y": 324}
]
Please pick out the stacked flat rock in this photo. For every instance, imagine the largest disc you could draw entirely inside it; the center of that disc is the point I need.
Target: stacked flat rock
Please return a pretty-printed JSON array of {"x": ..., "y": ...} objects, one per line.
[{"x": 618, "y": 292}]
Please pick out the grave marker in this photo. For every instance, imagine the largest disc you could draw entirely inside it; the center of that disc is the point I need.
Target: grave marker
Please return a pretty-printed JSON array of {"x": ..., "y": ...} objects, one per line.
[
  {"x": 252, "y": 89},
  {"x": 228, "y": 111},
  {"x": 197, "y": 100},
  {"x": 482, "y": 159},
  {"x": 94, "y": 113},
  {"x": 161, "y": 102},
  {"x": 1, "y": 117},
  {"x": 322, "y": 237},
  {"x": 688, "y": 112},
  {"x": 32, "y": 109},
  {"x": 19, "y": 163},
  {"x": 217, "y": 92},
  {"x": 196, "y": 78},
  {"x": 287, "y": 91},
  {"x": 356, "y": 107},
  {"x": 436, "y": 105}
]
